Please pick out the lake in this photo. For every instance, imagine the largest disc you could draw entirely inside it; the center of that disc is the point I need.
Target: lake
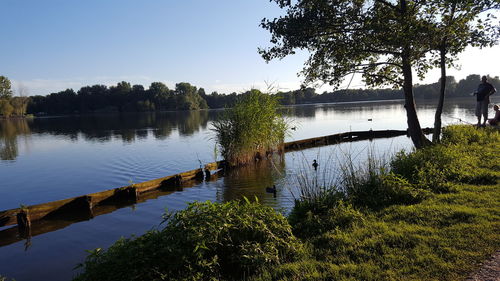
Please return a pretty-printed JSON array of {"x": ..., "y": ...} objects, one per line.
[{"x": 46, "y": 159}]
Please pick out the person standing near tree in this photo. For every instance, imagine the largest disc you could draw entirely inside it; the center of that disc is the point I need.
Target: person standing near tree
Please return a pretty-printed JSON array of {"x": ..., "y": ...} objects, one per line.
[{"x": 483, "y": 93}]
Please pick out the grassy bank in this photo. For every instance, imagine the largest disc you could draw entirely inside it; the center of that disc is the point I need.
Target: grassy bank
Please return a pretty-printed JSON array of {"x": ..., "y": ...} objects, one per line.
[{"x": 433, "y": 214}]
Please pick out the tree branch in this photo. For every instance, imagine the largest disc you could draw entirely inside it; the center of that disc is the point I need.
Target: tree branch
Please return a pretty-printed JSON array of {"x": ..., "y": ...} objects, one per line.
[
  {"x": 380, "y": 63},
  {"x": 388, "y": 4}
]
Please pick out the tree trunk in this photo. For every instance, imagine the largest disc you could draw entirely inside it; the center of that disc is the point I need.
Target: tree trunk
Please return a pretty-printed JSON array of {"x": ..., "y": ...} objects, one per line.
[
  {"x": 414, "y": 129},
  {"x": 442, "y": 63},
  {"x": 439, "y": 110}
]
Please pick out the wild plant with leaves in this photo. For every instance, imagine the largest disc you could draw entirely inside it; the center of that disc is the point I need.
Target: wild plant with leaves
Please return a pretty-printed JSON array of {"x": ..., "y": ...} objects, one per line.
[
  {"x": 252, "y": 129},
  {"x": 206, "y": 241}
]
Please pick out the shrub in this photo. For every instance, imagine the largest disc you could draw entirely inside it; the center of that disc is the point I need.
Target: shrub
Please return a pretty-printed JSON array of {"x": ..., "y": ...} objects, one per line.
[
  {"x": 372, "y": 186},
  {"x": 251, "y": 129},
  {"x": 206, "y": 241},
  {"x": 463, "y": 134},
  {"x": 462, "y": 158},
  {"x": 310, "y": 219},
  {"x": 432, "y": 168},
  {"x": 387, "y": 189}
]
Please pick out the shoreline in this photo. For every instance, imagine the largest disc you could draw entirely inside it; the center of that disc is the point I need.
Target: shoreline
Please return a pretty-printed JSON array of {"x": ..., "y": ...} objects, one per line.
[{"x": 494, "y": 100}]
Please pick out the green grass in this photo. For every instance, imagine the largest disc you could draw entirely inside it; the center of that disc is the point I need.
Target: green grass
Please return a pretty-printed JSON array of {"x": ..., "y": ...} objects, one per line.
[{"x": 442, "y": 238}]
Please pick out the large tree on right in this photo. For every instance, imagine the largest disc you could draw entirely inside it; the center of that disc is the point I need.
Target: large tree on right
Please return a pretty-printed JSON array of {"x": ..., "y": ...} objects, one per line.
[{"x": 384, "y": 40}]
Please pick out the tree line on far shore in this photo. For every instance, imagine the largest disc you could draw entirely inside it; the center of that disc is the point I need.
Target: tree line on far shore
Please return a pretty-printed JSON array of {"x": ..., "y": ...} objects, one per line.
[{"x": 125, "y": 97}]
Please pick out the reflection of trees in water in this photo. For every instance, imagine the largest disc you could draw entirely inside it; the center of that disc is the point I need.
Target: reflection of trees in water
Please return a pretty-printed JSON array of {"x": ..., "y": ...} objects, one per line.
[
  {"x": 252, "y": 180},
  {"x": 127, "y": 127},
  {"x": 9, "y": 131},
  {"x": 301, "y": 111},
  {"x": 188, "y": 124},
  {"x": 462, "y": 106}
]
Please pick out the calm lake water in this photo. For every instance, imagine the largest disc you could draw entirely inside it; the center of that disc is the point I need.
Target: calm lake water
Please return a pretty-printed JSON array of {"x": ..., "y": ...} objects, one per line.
[{"x": 48, "y": 159}]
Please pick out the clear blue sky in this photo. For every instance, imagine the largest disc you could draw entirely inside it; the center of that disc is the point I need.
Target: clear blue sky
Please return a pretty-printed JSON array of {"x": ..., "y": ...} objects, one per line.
[{"x": 52, "y": 45}]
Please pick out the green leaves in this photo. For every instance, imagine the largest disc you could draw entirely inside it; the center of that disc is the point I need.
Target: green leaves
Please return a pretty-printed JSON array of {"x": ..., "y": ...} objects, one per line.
[
  {"x": 206, "y": 241},
  {"x": 5, "y": 91},
  {"x": 346, "y": 37}
]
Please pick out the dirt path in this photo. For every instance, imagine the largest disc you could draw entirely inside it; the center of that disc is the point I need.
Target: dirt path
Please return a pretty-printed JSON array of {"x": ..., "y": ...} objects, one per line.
[{"x": 489, "y": 271}]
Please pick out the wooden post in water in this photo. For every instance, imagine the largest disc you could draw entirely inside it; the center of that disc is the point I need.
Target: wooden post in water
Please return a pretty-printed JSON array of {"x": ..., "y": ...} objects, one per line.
[
  {"x": 85, "y": 203},
  {"x": 23, "y": 222},
  {"x": 200, "y": 175},
  {"x": 131, "y": 193},
  {"x": 172, "y": 183}
]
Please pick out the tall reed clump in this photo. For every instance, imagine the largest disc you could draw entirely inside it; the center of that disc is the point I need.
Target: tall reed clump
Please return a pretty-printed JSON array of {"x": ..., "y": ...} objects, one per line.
[{"x": 252, "y": 129}]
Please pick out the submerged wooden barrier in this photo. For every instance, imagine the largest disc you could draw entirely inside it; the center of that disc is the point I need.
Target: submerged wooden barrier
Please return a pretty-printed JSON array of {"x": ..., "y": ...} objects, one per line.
[
  {"x": 25, "y": 215},
  {"x": 60, "y": 220},
  {"x": 347, "y": 137},
  {"x": 87, "y": 206}
]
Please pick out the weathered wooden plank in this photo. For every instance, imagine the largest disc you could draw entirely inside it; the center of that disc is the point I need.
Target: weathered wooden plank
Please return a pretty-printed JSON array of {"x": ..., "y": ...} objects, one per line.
[{"x": 346, "y": 137}]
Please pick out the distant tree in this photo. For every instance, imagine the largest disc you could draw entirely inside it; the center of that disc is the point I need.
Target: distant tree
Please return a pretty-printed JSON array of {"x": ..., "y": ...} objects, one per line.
[
  {"x": 158, "y": 88},
  {"x": 124, "y": 87},
  {"x": 19, "y": 104},
  {"x": 137, "y": 89},
  {"x": 91, "y": 98},
  {"x": 5, "y": 91},
  {"x": 160, "y": 94},
  {"x": 202, "y": 93},
  {"x": 187, "y": 97},
  {"x": 119, "y": 94},
  {"x": 468, "y": 85},
  {"x": 20, "y": 101},
  {"x": 6, "y": 109},
  {"x": 383, "y": 40}
]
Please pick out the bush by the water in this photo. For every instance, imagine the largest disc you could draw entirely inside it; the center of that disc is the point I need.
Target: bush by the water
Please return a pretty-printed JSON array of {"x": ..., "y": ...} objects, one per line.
[
  {"x": 309, "y": 219},
  {"x": 371, "y": 185},
  {"x": 466, "y": 156},
  {"x": 467, "y": 135},
  {"x": 251, "y": 129},
  {"x": 206, "y": 241}
]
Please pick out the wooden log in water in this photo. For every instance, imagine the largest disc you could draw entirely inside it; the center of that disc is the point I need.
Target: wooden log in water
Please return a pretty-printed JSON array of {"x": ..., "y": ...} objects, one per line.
[
  {"x": 127, "y": 193},
  {"x": 346, "y": 137},
  {"x": 82, "y": 204},
  {"x": 60, "y": 221},
  {"x": 216, "y": 165}
]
